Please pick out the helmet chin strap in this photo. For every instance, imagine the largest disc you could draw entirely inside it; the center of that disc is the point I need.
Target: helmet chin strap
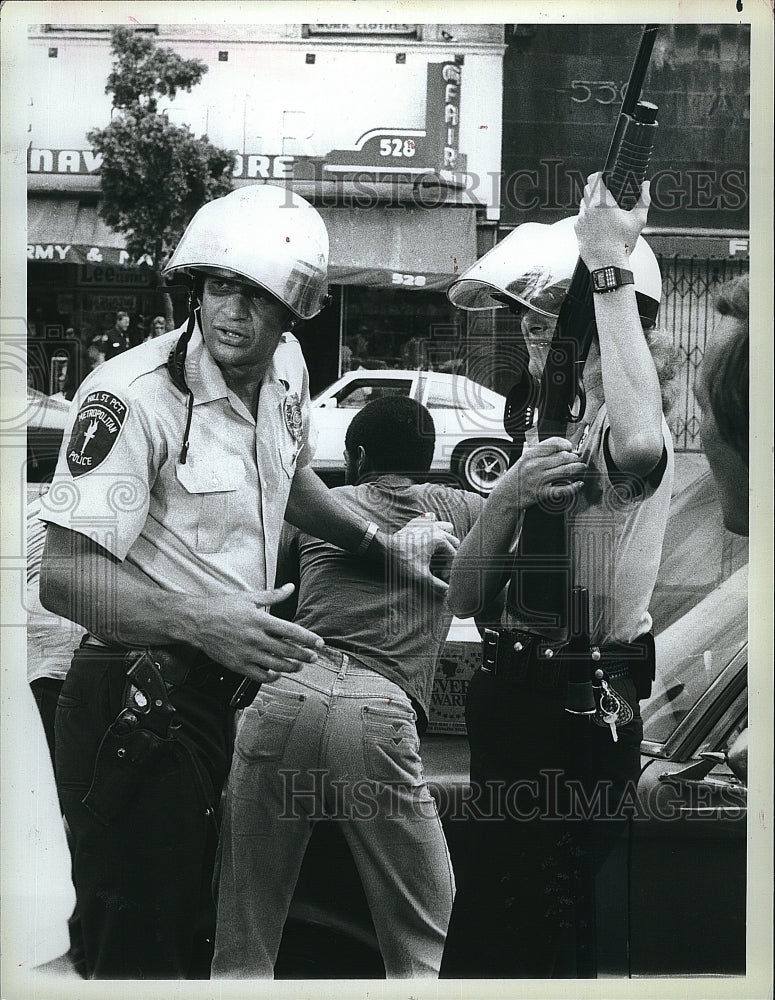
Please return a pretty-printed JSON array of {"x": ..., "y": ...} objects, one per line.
[{"x": 176, "y": 367}]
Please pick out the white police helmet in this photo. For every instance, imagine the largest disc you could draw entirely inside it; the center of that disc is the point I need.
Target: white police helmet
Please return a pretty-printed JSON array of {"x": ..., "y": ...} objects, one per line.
[
  {"x": 265, "y": 235},
  {"x": 533, "y": 266}
]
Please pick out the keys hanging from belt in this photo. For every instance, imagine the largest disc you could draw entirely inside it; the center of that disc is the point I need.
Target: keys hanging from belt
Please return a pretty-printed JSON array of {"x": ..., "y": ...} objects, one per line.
[{"x": 612, "y": 710}]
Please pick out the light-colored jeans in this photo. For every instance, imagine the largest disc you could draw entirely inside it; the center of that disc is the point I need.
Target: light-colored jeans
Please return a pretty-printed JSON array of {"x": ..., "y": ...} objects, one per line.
[{"x": 341, "y": 739}]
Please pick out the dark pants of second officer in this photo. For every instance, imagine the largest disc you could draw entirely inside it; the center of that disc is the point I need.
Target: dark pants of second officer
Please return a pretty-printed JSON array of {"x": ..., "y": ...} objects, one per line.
[
  {"x": 143, "y": 881},
  {"x": 525, "y": 900}
]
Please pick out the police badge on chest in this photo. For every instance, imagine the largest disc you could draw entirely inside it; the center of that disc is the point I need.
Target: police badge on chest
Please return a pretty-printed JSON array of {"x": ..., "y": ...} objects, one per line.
[{"x": 292, "y": 416}]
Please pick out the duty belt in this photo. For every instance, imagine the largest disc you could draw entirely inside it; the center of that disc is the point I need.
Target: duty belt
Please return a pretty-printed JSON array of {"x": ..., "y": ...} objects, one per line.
[
  {"x": 529, "y": 661},
  {"x": 178, "y": 665}
]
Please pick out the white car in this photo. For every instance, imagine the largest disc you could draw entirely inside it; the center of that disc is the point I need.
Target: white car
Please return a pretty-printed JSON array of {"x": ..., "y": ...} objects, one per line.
[{"x": 471, "y": 443}]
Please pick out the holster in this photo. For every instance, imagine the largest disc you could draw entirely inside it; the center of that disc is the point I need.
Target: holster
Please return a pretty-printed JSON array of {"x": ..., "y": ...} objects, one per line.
[
  {"x": 143, "y": 734},
  {"x": 137, "y": 740},
  {"x": 127, "y": 755}
]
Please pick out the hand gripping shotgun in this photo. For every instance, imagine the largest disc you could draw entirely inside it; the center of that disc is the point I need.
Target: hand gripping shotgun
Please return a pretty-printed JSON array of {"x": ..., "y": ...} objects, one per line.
[{"x": 541, "y": 591}]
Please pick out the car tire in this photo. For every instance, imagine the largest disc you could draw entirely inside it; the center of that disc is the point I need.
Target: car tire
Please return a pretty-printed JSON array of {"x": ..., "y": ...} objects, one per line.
[{"x": 481, "y": 464}]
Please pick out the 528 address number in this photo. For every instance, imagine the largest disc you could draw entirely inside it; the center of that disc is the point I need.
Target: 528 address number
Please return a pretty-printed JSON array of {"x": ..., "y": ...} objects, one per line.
[
  {"x": 396, "y": 147},
  {"x": 415, "y": 280}
]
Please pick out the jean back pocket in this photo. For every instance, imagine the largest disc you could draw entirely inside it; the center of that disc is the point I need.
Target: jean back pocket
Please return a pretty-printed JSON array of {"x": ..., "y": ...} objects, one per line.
[
  {"x": 391, "y": 744},
  {"x": 266, "y": 725}
]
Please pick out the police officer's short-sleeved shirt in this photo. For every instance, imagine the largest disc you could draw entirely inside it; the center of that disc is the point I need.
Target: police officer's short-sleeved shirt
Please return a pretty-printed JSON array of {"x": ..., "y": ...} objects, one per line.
[
  {"x": 211, "y": 524},
  {"x": 616, "y": 529}
]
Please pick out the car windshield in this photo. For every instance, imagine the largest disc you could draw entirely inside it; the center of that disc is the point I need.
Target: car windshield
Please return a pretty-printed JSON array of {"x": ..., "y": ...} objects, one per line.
[
  {"x": 456, "y": 393},
  {"x": 355, "y": 393},
  {"x": 46, "y": 420},
  {"x": 693, "y": 651},
  {"x": 362, "y": 391},
  {"x": 699, "y": 606},
  {"x": 46, "y": 412}
]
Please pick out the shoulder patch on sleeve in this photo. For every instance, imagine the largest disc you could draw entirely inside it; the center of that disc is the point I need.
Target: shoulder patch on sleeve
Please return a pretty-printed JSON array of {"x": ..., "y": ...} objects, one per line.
[{"x": 95, "y": 431}]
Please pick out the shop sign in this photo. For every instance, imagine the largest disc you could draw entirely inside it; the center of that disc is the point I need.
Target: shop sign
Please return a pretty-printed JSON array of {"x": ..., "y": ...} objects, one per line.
[
  {"x": 63, "y": 161},
  {"x": 686, "y": 245},
  {"x": 85, "y": 161},
  {"x": 379, "y": 154},
  {"x": 432, "y": 151},
  {"x": 262, "y": 167},
  {"x": 100, "y": 274},
  {"x": 446, "y": 121},
  {"x": 406, "y": 30},
  {"x": 69, "y": 253},
  {"x": 110, "y": 303}
]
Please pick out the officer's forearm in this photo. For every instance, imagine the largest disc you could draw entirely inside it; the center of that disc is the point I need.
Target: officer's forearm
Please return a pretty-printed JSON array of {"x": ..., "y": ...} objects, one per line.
[
  {"x": 483, "y": 561},
  {"x": 82, "y": 582},
  {"x": 313, "y": 508}
]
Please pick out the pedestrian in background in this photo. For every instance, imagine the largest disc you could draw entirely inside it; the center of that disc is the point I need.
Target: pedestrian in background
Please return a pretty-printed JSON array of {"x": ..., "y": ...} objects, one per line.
[
  {"x": 158, "y": 328},
  {"x": 114, "y": 341}
]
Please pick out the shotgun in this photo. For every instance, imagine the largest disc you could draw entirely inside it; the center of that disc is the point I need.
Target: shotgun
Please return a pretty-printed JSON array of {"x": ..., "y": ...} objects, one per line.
[{"x": 541, "y": 588}]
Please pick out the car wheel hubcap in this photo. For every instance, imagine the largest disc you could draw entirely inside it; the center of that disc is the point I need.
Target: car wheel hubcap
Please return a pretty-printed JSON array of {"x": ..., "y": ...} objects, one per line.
[{"x": 484, "y": 467}]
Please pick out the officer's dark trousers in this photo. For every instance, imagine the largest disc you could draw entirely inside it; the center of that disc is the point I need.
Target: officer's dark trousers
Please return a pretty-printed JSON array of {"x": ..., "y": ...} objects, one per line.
[
  {"x": 525, "y": 900},
  {"x": 143, "y": 881}
]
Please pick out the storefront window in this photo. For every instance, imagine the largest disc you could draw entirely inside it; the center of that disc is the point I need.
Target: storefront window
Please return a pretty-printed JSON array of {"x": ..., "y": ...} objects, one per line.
[
  {"x": 68, "y": 305},
  {"x": 390, "y": 328}
]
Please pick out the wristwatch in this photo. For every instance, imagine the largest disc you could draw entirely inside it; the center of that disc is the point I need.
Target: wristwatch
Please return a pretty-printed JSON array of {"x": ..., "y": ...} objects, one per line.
[{"x": 607, "y": 279}]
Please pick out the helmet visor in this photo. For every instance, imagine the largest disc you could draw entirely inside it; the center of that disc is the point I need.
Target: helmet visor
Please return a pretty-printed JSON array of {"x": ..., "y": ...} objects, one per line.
[
  {"x": 540, "y": 291},
  {"x": 531, "y": 266}
]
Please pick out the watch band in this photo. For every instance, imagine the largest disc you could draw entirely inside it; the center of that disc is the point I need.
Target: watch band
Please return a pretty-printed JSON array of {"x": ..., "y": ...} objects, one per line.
[
  {"x": 368, "y": 538},
  {"x": 607, "y": 279}
]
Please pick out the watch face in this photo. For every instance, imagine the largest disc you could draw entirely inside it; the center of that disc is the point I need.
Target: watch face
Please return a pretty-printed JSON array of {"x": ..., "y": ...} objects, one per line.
[{"x": 606, "y": 279}]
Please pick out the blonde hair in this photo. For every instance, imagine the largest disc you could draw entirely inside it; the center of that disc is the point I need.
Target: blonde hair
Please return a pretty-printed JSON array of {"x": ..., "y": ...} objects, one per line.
[{"x": 665, "y": 358}]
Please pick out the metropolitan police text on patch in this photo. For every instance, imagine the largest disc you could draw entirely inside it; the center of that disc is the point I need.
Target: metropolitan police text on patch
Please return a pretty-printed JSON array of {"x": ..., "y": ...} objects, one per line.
[{"x": 95, "y": 431}]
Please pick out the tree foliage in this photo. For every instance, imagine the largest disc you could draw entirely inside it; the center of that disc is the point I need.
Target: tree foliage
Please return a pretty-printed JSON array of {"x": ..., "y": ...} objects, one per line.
[
  {"x": 154, "y": 174},
  {"x": 143, "y": 72}
]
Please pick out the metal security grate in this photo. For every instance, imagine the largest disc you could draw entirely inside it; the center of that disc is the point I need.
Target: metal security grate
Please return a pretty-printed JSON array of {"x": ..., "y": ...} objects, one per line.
[{"x": 689, "y": 289}]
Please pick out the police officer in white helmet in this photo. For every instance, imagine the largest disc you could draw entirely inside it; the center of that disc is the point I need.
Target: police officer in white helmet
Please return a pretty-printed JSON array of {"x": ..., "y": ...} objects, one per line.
[
  {"x": 555, "y": 785},
  {"x": 179, "y": 463}
]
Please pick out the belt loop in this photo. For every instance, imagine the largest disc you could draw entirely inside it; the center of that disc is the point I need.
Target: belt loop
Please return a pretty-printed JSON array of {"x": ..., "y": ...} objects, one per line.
[{"x": 490, "y": 651}]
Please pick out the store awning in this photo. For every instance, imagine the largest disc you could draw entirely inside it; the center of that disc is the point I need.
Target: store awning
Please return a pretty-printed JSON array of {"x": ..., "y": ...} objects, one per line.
[
  {"x": 67, "y": 231},
  {"x": 397, "y": 247},
  {"x": 400, "y": 247}
]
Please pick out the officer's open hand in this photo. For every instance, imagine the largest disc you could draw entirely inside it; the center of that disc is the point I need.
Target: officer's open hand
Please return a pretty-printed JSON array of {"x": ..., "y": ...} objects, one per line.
[
  {"x": 239, "y": 634},
  {"x": 606, "y": 233},
  {"x": 423, "y": 550},
  {"x": 550, "y": 473}
]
